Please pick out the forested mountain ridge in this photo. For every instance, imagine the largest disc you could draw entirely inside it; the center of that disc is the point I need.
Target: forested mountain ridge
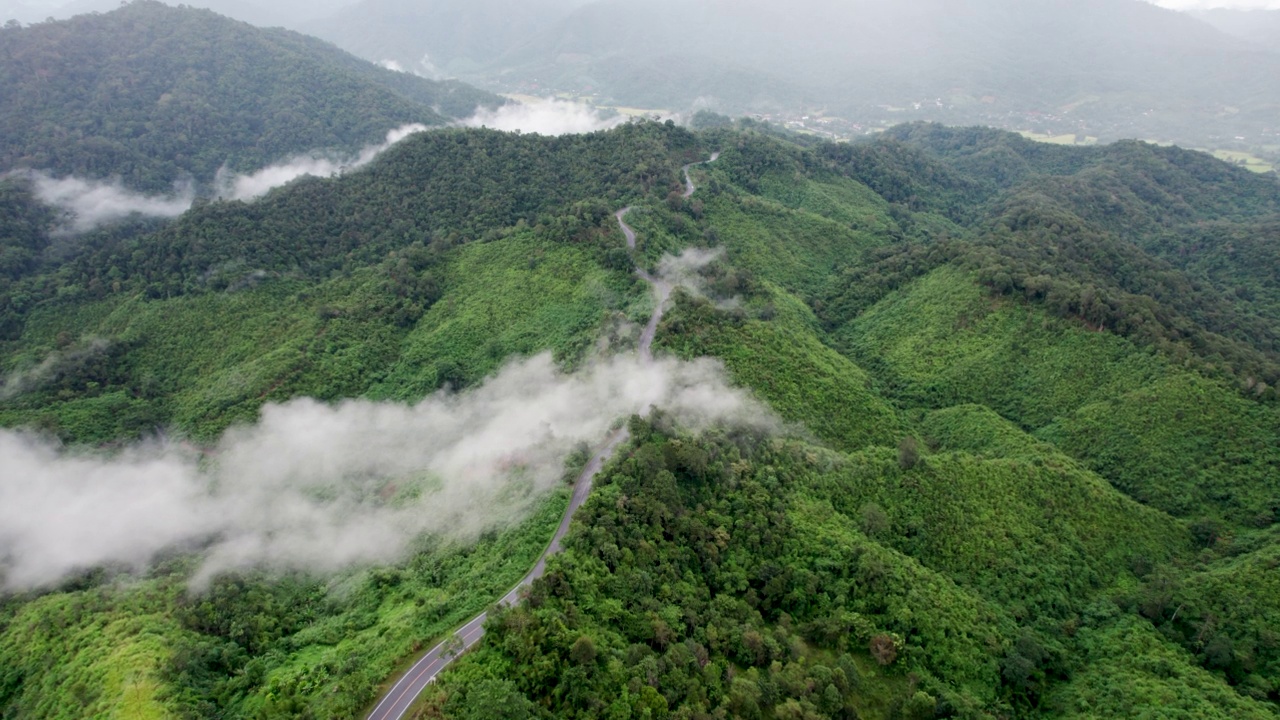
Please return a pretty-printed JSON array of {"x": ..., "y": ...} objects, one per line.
[
  {"x": 1036, "y": 475},
  {"x": 1090, "y": 233},
  {"x": 155, "y": 94},
  {"x": 389, "y": 225},
  {"x": 684, "y": 603}
]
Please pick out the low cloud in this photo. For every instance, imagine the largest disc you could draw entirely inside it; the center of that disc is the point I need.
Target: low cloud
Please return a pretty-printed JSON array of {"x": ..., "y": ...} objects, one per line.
[
  {"x": 392, "y": 65},
  {"x": 323, "y": 487},
  {"x": 685, "y": 269},
  {"x": 545, "y": 117},
  {"x": 86, "y": 204},
  {"x": 57, "y": 365},
  {"x": 249, "y": 187}
]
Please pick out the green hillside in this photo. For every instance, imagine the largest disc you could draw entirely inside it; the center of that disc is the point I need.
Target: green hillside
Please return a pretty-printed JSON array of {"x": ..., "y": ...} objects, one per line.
[
  {"x": 153, "y": 94},
  {"x": 1027, "y": 463}
]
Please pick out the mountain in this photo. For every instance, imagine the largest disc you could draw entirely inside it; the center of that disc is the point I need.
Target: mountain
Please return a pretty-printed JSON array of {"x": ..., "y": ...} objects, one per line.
[
  {"x": 1107, "y": 68},
  {"x": 1025, "y": 460},
  {"x": 439, "y": 37},
  {"x": 1261, "y": 27},
  {"x": 153, "y": 94},
  {"x": 292, "y": 14}
]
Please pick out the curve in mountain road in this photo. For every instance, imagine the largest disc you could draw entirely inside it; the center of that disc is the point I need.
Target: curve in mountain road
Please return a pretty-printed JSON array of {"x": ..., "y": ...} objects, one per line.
[
  {"x": 397, "y": 701},
  {"x": 689, "y": 187}
]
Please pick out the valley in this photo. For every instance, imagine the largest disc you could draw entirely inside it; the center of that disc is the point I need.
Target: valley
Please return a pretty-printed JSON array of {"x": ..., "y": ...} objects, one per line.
[
  {"x": 934, "y": 393},
  {"x": 757, "y": 417}
]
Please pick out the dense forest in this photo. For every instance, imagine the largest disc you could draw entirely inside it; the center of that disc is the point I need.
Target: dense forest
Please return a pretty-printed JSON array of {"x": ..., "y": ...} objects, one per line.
[
  {"x": 153, "y": 94},
  {"x": 1028, "y": 463}
]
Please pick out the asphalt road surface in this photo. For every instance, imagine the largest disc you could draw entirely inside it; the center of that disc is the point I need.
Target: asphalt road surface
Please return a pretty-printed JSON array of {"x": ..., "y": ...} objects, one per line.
[
  {"x": 402, "y": 695},
  {"x": 397, "y": 701},
  {"x": 689, "y": 187}
]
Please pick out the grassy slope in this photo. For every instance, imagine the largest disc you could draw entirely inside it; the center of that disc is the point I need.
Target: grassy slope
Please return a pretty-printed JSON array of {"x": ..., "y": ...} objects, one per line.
[
  {"x": 787, "y": 366},
  {"x": 1184, "y": 444},
  {"x": 943, "y": 341},
  {"x": 110, "y": 646},
  {"x": 222, "y": 356},
  {"x": 518, "y": 297},
  {"x": 799, "y": 250},
  {"x": 218, "y": 357},
  {"x": 1035, "y": 535},
  {"x": 1130, "y": 415},
  {"x": 104, "y": 660},
  {"x": 991, "y": 512}
]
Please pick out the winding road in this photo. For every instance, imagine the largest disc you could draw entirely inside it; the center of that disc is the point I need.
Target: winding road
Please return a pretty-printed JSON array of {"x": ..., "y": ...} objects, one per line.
[
  {"x": 689, "y": 187},
  {"x": 395, "y": 703}
]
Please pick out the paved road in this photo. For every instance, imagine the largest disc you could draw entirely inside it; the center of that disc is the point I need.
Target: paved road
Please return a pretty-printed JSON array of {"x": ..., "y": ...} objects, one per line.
[
  {"x": 402, "y": 695},
  {"x": 689, "y": 187},
  {"x": 397, "y": 701},
  {"x": 626, "y": 229},
  {"x": 661, "y": 292}
]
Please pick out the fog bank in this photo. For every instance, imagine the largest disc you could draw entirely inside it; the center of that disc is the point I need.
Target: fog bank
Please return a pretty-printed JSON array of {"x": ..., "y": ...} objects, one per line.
[
  {"x": 546, "y": 117},
  {"x": 323, "y": 487},
  {"x": 86, "y": 204},
  {"x": 684, "y": 270},
  {"x": 52, "y": 368},
  {"x": 248, "y": 187}
]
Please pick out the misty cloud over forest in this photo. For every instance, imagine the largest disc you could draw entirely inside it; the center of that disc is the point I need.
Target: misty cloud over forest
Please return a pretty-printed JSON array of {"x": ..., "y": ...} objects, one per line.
[
  {"x": 323, "y": 487},
  {"x": 548, "y": 117},
  {"x": 87, "y": 204},
  {"x": 255, "y": 185},
  {"x": 55, "y": 365}
]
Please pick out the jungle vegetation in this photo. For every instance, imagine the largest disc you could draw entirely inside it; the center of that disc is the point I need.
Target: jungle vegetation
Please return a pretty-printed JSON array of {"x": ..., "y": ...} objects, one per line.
[
  {"x": 153, "y": 94},
  {"x": 1030, "y": 465}
]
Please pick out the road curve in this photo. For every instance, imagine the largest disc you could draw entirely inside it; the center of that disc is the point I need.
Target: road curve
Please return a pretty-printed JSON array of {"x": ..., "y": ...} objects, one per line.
[
  {"x": 689, "y": 187},
  {"x": 395, "y": 703},
  {"x": 661, "y": 291}
]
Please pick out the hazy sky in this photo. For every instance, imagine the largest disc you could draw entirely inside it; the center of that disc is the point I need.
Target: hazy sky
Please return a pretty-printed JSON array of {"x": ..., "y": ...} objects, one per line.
[
  {"x": 1205, "y": 4},
  {"x": 1176, "y": 4},
  {"x": 297, "y": 13}
]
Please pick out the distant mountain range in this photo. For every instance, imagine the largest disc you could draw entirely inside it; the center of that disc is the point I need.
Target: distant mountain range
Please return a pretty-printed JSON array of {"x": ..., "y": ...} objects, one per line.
[
  {"x": 436, "y": 38},
  {"x": 1257, "y": 26},
  {"x": 1096, "y": 68},
  {"x": 1109, "y": 68},
  {"x": 285, "y": 13}
]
